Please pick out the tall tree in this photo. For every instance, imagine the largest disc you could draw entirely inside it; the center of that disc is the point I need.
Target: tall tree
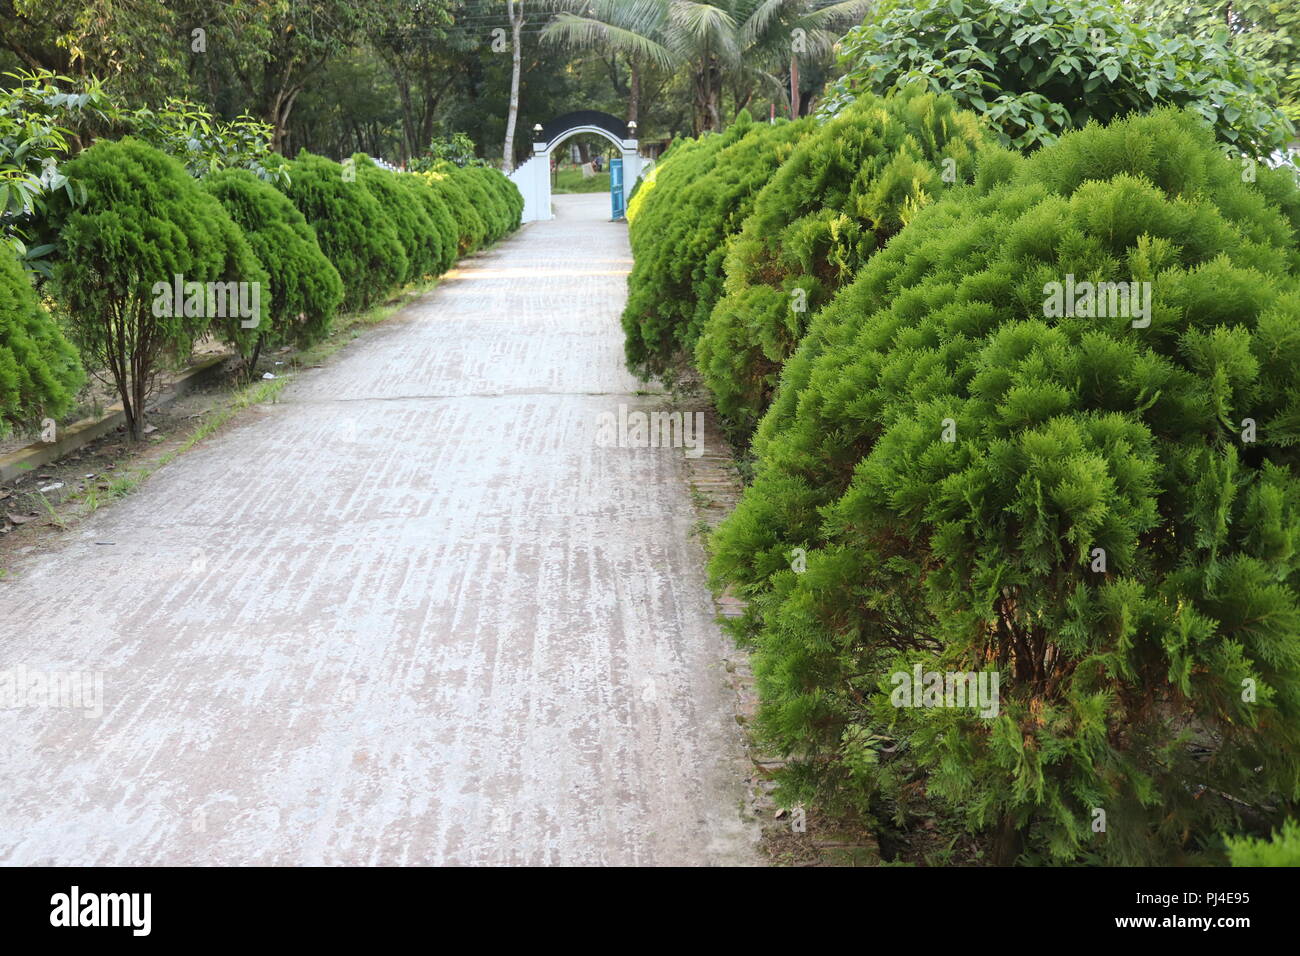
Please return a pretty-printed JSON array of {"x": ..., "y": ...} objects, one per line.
[{"x": 516, "y": 14}]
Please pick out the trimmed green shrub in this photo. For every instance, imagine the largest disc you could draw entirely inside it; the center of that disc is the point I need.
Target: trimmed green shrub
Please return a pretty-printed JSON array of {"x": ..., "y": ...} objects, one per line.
[
  {"x": 848, "y": 187},
  {"x": 423, "y": 192},
  {"x": 1104, "y": 514},
  {"x": 351, "y": 227},
  {"x": 39, "y": 370},
  {"x": 471, "y": 227},
  {"x": 304, "y": 288},
  {"x": 1282, "y": 850},
  {"x": 145, "y": 222},
  {"x": 662, "y": 323},
  {"x": 1038, "y": 68},
  {"x": 659, "y": 283},
  {"x": 490, "y": 205},
  {"x": 415, "y": 230}
]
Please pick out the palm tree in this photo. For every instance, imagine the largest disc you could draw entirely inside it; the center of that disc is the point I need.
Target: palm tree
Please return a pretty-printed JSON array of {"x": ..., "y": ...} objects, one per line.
[{"x": 737, "y": 40}]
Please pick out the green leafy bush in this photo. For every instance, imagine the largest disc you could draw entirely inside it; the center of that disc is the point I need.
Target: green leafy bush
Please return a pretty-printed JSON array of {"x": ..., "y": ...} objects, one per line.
[
  {"x": 663, "y": 319},
  {"x": 1037, "y": 68},
  {"x": 659, "y": 284},
  {"x": 472, "y": 229},
  {"x": 304, "y": 290},
  {"x": 144, "y": 222},
  {"x": 490, "y": 204},
  {"x": 845, "y": 190},
  {"x": 950, "y": 453},
  {"x": 1282, "y": 850},
  {"x": 423, "y": 192},
  {"x": 353, "y": 231},
  {"x": 415, "y": 230},
  {"x": 39, "y": 370}
]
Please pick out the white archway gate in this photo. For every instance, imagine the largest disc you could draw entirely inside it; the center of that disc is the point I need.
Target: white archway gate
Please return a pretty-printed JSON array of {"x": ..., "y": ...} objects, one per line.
[{"x": 534, "y": 176}]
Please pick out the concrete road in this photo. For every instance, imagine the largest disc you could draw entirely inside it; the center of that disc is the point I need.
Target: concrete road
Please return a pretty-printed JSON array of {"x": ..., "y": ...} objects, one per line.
[{"x": 412, "y": 614}]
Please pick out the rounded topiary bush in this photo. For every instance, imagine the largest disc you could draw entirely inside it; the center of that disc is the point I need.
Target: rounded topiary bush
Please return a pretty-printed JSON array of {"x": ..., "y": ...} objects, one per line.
[
  {"x": 471, "y": 228},
  {"x": 39, "y": 369},
  {"x": 415, "y": 230},
  {"x": 351, "y": 226},
  {"x": 304, "y": 288},
  {"x": 146, "y": 228},
  {"x": 659, "y": 285},
  {"x": 422, "y": 192},
  {"x": 848, "y": 187},
  {"x": 489, "y": 203},
  {"x": 663, "y": 319},
  {"x": 1097, "y": 503}
]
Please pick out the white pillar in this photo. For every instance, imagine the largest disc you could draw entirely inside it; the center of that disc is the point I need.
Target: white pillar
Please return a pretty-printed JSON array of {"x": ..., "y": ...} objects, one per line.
[{"x": 631, "y": 168}]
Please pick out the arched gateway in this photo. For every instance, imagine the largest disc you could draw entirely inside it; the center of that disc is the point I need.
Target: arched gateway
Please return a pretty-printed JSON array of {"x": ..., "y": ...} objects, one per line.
[{"x": 534, "y": 176}]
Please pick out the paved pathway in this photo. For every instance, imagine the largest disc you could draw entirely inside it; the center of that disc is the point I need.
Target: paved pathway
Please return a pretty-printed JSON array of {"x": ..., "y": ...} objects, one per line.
[{"x": 410, "y": 615}]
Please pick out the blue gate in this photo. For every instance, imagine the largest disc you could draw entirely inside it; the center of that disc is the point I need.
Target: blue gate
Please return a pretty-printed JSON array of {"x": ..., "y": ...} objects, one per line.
[{"x": 617, "y": 210}]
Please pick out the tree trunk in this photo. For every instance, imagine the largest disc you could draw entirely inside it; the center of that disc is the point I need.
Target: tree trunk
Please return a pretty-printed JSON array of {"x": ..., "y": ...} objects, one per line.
[
  {"x": 794, "y": 87},
  {"x": 516, "y": 24},
  {"x": 1006, "y": 842},
  {"x": 634, "y": 93}
]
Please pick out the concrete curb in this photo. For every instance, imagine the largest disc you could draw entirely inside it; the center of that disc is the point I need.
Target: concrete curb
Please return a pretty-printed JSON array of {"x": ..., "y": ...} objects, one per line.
[{"x": 74, "y": 436}]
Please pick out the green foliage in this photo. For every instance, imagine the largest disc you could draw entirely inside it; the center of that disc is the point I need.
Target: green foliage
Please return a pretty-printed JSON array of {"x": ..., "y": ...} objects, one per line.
[
  {"x": 205, "y": 143},
  {"x": 423, "y": 192},
  {"x": 415, "y": 230},
  {"x": 1282, "y": 850},
  {"x": 1268, "y": 31},
  {"x": 457, "y": 149},
  {"x": 352, "y": 228},
  {"x": 847, "y": 188},
  {"x": 39, "y": 370},
  {"x": 659, "y": 287},
  {"x": 38, "y": 116},
  {"x": 677, "y": 274},
  {"x": 304, "y": 289},
  {"x": 1037, "y": 68},
  {"x": 144, "y": 221},
  {"x": 1162, "y": 687},
  {"x": 471, "y": 227}
]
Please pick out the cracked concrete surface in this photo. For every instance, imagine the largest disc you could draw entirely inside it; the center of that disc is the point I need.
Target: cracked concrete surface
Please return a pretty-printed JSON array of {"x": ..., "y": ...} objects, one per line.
[{"x": 411, "y": 614}]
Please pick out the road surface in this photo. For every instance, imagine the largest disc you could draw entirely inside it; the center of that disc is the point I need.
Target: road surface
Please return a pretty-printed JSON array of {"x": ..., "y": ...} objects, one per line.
[{"x": 411, "y": 614}]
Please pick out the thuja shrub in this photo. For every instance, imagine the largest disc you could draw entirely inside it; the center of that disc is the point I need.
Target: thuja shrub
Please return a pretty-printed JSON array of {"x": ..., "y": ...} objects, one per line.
[
  {"x": 356, "y": 235},
  {"x": 304, "y": 288},
  {"x": 415, "y": 230},
  {"x": 660, "y": 281},
  {"x": 149, "y": 262},
  {"x": 504, "y": 189},
  {"x": 471, "y": 228},
  {"x": 708, "y": 210},
  {"x": 39, "y": 369},
  {"x": 844, "y": 191},
  {"x": 491, "y": 205},
  {"x": 1282, "y": 849},
  {"x": 976, "y": 466},
  {"x": 423, "y": 192}
]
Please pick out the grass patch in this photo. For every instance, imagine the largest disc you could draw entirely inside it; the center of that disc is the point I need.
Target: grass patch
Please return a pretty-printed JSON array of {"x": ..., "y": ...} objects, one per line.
[{"x": 571, "y": 180}]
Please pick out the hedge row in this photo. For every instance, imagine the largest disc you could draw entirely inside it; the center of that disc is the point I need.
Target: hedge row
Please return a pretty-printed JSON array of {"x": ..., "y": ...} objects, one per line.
[
  {"x": 678, "y": 232},
  {"x": 336, "y": 237},
  {"x": 741, "y": 237},
  {"x": 959, "y": 477}
]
